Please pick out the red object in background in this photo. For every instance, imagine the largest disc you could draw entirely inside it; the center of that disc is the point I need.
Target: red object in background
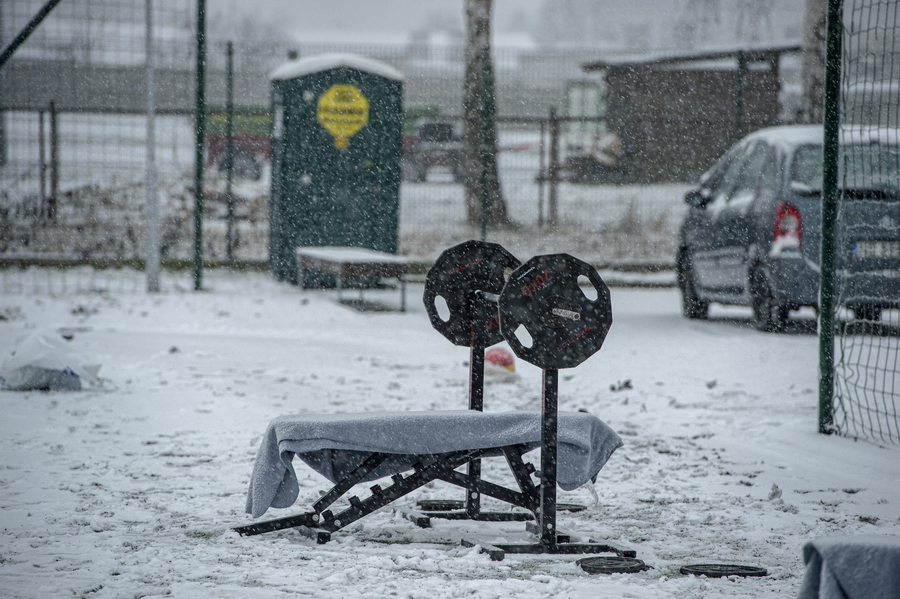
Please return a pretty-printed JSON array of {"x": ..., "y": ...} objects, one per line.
[{"x": 500, "y": 357}]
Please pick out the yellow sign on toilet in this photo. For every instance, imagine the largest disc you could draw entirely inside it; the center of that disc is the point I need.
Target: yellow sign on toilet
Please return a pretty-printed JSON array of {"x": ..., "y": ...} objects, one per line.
[{"x": 342, "y": 111}]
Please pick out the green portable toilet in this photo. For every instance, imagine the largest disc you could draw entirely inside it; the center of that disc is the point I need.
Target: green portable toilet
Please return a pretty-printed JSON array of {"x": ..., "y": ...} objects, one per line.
[{"x": 336, "y": 149}]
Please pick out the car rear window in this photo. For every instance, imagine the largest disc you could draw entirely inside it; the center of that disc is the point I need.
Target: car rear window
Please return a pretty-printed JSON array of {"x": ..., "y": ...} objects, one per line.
[{"x": 870, "y": 167}]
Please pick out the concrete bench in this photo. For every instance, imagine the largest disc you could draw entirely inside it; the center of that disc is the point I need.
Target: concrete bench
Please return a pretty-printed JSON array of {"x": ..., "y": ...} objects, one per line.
[{"x": 345, "y": 262}]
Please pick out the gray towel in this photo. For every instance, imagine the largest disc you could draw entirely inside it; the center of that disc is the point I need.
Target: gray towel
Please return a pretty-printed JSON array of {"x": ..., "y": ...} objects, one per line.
[
  {"x": 857, "y": 567},
  {"x": 335, "y": 444}
]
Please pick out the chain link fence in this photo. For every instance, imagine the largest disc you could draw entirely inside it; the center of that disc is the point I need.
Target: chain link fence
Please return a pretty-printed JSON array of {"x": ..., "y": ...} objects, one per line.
[
  {"x": 867, "y": 348},
  {"x": 73, "y": 135}
]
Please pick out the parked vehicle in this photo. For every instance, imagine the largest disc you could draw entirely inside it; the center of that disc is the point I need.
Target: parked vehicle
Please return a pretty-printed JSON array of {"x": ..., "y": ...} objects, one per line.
[
  {"x": 434, "y": 142},
  {"x": 251, "y": 143},
  {"x": 752, "y": 235}
]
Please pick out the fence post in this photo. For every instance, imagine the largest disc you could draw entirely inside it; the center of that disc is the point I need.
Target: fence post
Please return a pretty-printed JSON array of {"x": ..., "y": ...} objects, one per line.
[
  {"x": 739, "y": 96},
  {"x": 229, "y": 150},
  {"x": 42, "y": 165},
  {"x": 199, "y": 120},
  {"x": 151, "y": 263},
  {"x": 54, "y": 163},
  {"x": 829, "y": 213},
  {"x": 542, "y": 176},
  {"x": 552, "y": 200}
]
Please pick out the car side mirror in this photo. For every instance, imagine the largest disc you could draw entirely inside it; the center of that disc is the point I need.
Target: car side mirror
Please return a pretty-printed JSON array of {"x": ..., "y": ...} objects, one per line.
[{"x": 696, "y": 198}]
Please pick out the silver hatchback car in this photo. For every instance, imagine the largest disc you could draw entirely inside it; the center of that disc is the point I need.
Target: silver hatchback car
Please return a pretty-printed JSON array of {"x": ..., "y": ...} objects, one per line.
[{"x": 753, "y": 231}]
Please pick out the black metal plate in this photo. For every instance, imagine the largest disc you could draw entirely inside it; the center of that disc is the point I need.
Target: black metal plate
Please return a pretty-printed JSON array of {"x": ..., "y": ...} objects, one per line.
[
  {"x": 456, "y": 275},
  {"x": 570, "y": 507},
  {"x": 722, "y": 570},
  {"x": 529, "y": 298},
  {"x": 612, "y": 565}
]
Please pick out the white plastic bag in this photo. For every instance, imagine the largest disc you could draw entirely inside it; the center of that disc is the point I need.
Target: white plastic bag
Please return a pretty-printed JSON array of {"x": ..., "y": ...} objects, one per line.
[{"x": 41, "y": 362}]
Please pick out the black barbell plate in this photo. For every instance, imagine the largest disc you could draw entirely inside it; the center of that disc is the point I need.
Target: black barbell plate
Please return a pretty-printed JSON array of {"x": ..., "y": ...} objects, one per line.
[
  {"x": 722, "y": 570},
  {"x": 455, "y": 276},
  {"x": 562, "y": 325},
  {"x": 612, "y": 565}
]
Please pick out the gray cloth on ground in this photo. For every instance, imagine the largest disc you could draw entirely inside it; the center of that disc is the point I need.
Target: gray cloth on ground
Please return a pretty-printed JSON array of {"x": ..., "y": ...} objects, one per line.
[
  {"x": 335, "y": 444},
  {"x": 857, "y": 567}
]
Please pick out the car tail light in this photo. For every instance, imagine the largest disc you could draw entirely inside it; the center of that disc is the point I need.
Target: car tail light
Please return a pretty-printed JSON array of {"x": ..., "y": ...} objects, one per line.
[{"x": 787, "y": 226}]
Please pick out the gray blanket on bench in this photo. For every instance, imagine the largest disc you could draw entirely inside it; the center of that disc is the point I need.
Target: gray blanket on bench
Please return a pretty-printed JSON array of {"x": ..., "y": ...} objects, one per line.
[{"x": 335, "y": 444}]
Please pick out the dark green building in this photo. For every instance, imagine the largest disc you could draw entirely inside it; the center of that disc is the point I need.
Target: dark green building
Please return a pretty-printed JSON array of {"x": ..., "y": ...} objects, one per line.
[{"x": 336, "y": 149}]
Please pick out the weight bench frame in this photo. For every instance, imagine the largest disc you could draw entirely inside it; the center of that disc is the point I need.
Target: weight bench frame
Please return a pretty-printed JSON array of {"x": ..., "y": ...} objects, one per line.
[
  {"x": 539, "y": 499},
  {"x": 321, "y": 522},
  {"x": 472, "y": 504}
]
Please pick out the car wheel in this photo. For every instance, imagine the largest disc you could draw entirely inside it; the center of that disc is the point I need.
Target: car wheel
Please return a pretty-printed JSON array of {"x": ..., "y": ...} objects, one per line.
[
  {"x": 865, "y": 312},
  {"x": 691, "y": 305},
  {"x": 768, "y": 315}
]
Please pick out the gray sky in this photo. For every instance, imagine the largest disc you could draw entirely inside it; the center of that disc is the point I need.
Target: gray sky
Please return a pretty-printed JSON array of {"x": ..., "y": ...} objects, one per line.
[{"x": 395, "y": 18}]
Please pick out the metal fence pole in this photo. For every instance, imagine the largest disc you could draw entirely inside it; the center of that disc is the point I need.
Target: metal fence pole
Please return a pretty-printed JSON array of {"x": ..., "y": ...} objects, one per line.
[
  {"x": 29, "y": 28},
  {"x": 229, "y": 151},
  {"x": 829, "y": 213},
  {"x": 739, "y": 96},
  {"x": 553, "y": 199},
  {"x": 199, "y": 120},
  {"x": 151, "y": 264},
  {"x": 542, "y": 176},
  {"x": 54, "y": 162},
  {"x": 42, "y": 165}
]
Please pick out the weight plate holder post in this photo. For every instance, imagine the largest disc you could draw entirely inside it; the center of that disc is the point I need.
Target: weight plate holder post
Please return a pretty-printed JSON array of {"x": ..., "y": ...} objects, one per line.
[
  {"x": 549, "y": 320},
  {"x": 466, "y": 281},
  {"x": 456, "y": 287}
]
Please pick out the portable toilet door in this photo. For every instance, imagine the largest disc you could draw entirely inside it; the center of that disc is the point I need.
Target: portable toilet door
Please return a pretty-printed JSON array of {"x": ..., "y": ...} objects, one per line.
[{"x": 336, "y": 150}]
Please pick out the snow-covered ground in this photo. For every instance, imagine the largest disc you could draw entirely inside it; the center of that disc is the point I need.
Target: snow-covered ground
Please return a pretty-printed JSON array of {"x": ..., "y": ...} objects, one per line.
[{"x": 131, "y": 489}]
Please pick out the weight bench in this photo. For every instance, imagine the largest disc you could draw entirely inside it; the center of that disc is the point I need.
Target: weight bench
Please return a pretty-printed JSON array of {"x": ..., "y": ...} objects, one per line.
[
  {"x": 541, "y": 310},
  {"x": 349, "y": 449},
  {"x": 347, "y": 262}
]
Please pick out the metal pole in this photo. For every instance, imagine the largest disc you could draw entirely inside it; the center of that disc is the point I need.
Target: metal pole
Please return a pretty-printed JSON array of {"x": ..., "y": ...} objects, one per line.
[
  {"x": 832, "y": 105},
  {"x": 552, "y": 200},
  {"x": 229, "y": 151},
  {"x": 9, "y": 50},
  {"x": 481, "y": 311},
  {"x": 54, "y": 163},
  {"x": 42, "y": 163},
  {"x": 549, "y": 426},
  {"x": 199, "y": 120},
  {"x": 541, "y": 179},
  {"x": 151, "y": 264},
  {"x": 739, "y": 96}
]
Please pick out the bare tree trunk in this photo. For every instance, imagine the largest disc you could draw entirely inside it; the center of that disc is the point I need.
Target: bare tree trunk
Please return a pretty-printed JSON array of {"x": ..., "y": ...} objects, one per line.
[
  {"x": 480, "y": 140},
  {"x": 811, "y": 110}
]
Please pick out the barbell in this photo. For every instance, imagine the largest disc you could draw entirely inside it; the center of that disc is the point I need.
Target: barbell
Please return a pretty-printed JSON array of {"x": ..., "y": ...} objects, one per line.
[{"x": 554, "y": 310}]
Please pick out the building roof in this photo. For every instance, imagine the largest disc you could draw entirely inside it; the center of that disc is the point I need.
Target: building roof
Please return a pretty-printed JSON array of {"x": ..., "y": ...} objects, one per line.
[
  {"x": 662, "y": 58},
  {"x": 324, "y": 62}
]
